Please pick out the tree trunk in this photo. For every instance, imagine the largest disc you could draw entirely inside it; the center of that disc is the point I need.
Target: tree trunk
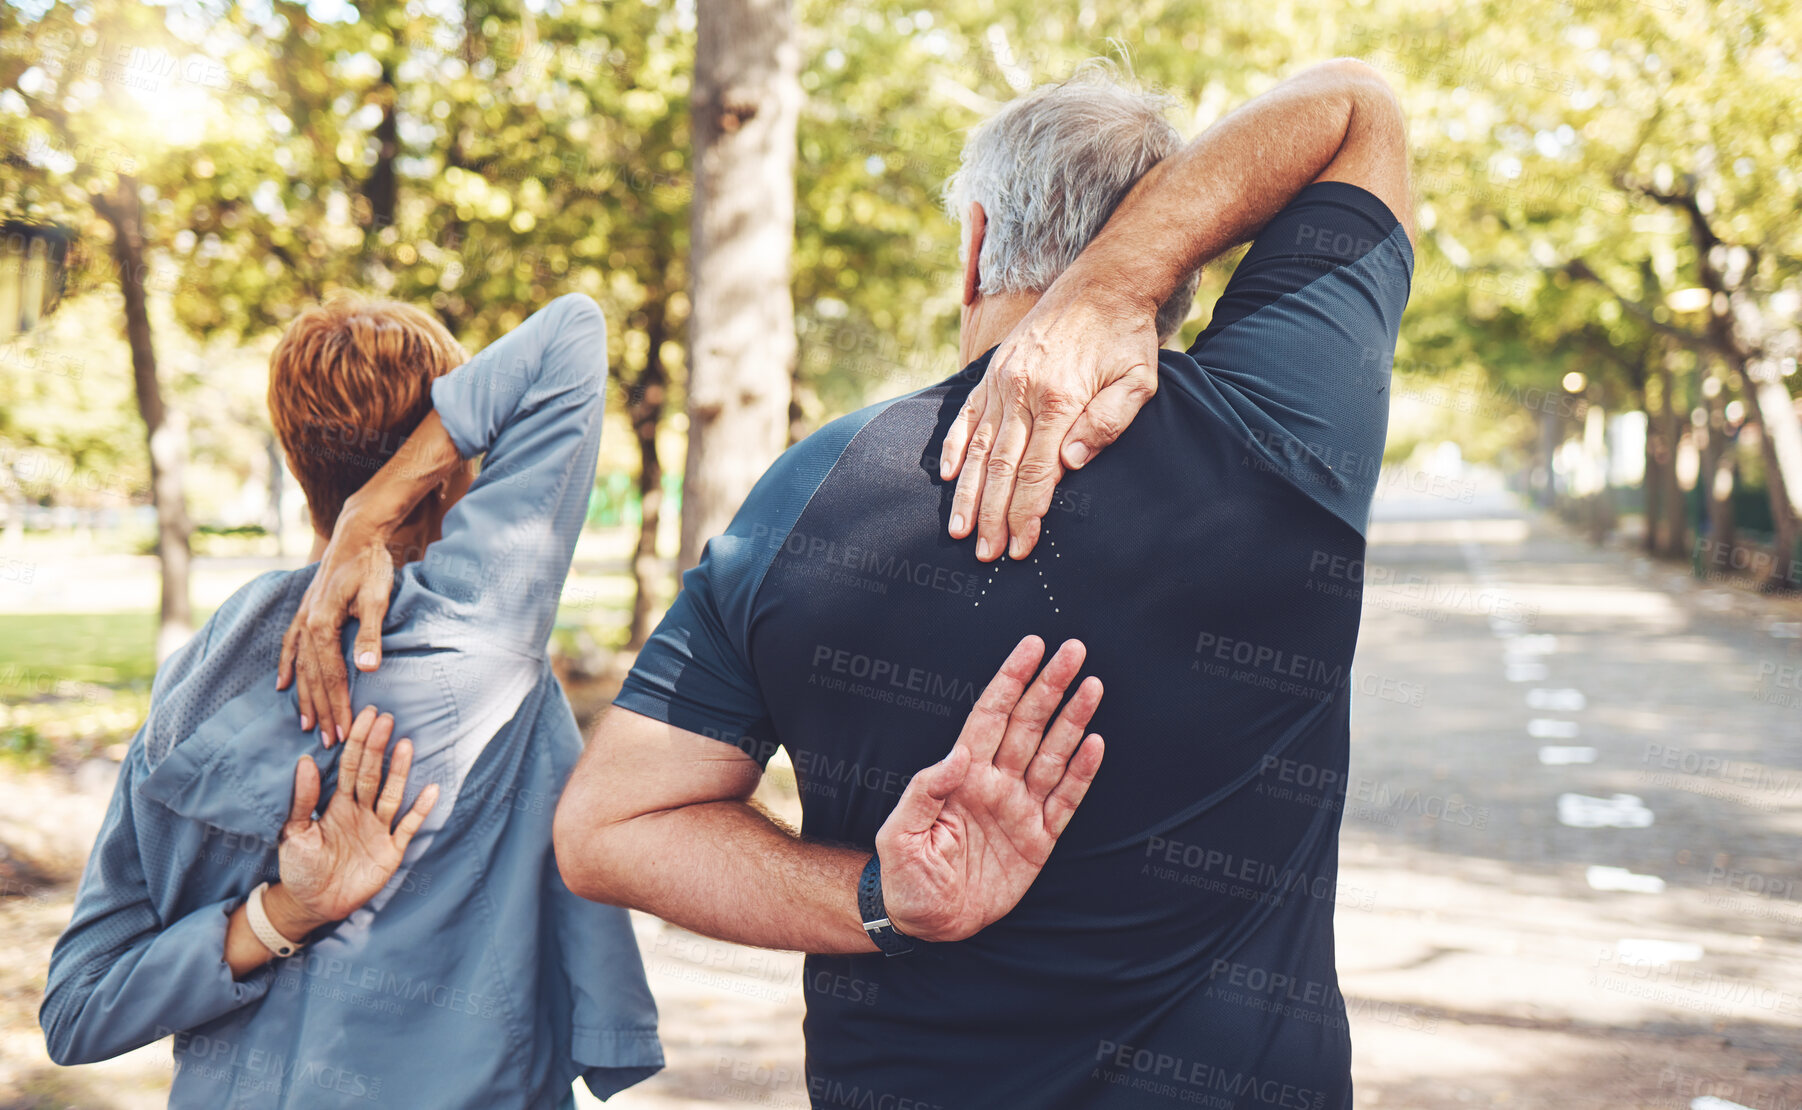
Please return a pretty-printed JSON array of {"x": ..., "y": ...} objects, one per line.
[
  {"x": 1717, "y": 470},
  {"x": 645, "y": 408},
  {"x": 746, "y": 102},
  {"x": 1667, "y": 526},
  {"x": 165, "y": 431},
  {"x": 382, "y": 190},
  {"x": 1770, "y": 410}
]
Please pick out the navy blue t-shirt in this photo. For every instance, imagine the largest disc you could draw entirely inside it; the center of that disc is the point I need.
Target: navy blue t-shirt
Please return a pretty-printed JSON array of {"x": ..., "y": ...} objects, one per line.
[{"x": 1178, "y": 948}]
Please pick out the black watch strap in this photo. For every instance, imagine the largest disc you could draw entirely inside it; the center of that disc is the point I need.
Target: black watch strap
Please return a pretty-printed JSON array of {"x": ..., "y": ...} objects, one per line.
[{"x": 875, "y": 918}]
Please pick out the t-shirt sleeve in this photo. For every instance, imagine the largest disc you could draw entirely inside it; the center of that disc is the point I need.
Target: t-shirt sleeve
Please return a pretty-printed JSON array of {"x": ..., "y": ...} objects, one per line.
[
  {"x": 1303, "y": 339},
  {"x": 697, "y": 672}
]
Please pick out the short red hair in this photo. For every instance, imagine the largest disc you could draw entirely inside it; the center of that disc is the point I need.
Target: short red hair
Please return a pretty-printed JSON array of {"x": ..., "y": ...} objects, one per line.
[{"x": 348, "y": 382}]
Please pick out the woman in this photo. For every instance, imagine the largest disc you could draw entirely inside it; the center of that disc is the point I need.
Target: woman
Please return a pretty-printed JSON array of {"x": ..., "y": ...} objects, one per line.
[{"x": 342, "y": 962}]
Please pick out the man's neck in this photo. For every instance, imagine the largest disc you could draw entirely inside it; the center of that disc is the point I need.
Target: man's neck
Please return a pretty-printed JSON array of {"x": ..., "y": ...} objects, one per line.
[{"x": 989, "y": 319}]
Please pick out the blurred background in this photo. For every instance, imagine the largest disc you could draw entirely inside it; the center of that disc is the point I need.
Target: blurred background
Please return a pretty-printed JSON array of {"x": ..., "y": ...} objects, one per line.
[{"x": 1571, "y": 856}]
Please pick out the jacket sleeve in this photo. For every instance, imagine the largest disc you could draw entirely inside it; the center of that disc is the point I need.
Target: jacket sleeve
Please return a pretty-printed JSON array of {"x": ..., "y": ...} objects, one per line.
[
  {"x": 613, "y": 1026},
  {"x": 531, "y": 405},
  {"x": 120, "y": 977}
]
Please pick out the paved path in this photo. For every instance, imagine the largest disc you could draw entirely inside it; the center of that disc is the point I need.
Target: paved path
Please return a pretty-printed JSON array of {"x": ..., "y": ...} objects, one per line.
[{"x": 1572, "y": 863}]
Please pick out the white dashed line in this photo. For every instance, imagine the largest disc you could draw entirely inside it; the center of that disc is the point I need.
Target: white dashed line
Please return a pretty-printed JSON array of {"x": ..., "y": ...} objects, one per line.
[
  {"x": 1622, "y": 811},
  {"x": 1619, "y": 878},
  {"x": 1556, "y": 700},
  {"x": 1553, "y": 756}
]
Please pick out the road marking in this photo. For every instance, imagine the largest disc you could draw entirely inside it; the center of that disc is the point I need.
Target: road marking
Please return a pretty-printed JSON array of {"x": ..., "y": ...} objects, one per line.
[
  {"x": 1558, "y": 700},
  {"x": 1636, "y": 950},
  {"x": 1619, "y": 878},
  {"x": 1710, "y": 1102},
  {"x": 1547, "y": 728},
  {"x": 1528, "y": 672},
  {"x": 1553, "y": 756},
  {"x": 1622, "y": 811},
  {"x": 1542, "y": 643}
]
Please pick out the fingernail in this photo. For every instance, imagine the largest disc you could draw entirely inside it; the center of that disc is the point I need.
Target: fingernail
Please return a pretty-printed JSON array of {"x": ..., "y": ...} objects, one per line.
[
  {"x": 982, "y": 550},
  {"x": 957, "y": 522},
  {"x": 366, "y": 660},
  {"x": 1017, "y": 548},
  {"x": 306, "y": 723},
  {"x": 1076, "y": 454}
]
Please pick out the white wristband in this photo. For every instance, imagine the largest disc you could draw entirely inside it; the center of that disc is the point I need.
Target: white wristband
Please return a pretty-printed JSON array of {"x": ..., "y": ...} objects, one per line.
[{"x": 266, "y": 932}]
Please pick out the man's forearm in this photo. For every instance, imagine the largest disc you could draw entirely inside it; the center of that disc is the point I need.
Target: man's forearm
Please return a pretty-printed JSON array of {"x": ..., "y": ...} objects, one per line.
[
  {"x": 426, "y": 458},
  {"x": 1224, "y": 186},
  {"x": 725, "y": 869}
]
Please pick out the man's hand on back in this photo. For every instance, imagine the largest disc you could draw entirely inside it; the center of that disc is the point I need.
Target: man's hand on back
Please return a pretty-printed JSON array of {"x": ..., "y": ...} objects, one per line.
[
  {"x": 972, "y": 831},
  {"x": 1064, "y": 384}
]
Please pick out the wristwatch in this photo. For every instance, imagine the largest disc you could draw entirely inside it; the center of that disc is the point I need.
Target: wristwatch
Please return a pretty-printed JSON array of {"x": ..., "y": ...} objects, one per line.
[
  {"x": 266, "y": 931},
  {"x": 882, "y": 931}
]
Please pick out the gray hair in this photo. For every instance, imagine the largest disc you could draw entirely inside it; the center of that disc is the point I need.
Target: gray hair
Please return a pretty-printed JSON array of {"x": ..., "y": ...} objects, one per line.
[{"x": 1049, "y": 169}]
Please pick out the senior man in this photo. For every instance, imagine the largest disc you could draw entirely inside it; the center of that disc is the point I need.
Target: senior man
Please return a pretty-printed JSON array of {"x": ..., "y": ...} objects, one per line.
[{"x": 1178, "y": 945}]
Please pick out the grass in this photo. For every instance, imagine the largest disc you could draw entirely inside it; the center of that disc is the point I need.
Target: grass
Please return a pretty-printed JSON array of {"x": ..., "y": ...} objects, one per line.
[
  {"x": 72, "y": 684},
  {"x": 111, "y": 649}
]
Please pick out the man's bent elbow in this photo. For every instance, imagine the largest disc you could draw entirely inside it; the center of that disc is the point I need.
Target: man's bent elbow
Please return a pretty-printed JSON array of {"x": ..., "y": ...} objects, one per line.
[
  {"x": 1357, "y": 72},
  {"x": 582, "y": 853}
]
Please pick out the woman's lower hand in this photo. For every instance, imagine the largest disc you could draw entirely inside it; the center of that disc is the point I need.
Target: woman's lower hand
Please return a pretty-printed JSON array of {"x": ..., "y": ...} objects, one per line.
[{"x": 332, "y": 865}]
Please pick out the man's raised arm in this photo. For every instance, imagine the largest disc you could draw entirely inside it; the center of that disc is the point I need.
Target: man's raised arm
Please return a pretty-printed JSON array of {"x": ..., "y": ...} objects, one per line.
[{"x": 1075, "y": 371}]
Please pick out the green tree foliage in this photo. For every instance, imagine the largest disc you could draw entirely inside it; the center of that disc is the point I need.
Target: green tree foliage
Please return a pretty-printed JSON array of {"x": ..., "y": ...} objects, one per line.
[{"x": 482, "y": 158}]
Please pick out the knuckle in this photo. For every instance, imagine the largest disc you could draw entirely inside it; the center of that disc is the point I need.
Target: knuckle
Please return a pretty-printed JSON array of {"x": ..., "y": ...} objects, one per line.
[
  {"x": 1035, "y": 472},
  {"x": 1000, "y": 468}
]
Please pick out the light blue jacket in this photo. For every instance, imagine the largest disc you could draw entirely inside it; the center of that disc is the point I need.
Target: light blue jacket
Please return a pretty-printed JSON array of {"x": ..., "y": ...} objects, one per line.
[{"x": 475, "y": 978}]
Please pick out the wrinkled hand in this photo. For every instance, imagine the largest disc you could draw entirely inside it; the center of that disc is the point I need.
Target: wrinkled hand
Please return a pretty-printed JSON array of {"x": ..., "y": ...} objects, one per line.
[
  {"x": 1064, "y": 384},
  {"x": 972, "y": 831},
  {"x": 356, "y": 575},
  {"x": 331, "y": 866}
]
